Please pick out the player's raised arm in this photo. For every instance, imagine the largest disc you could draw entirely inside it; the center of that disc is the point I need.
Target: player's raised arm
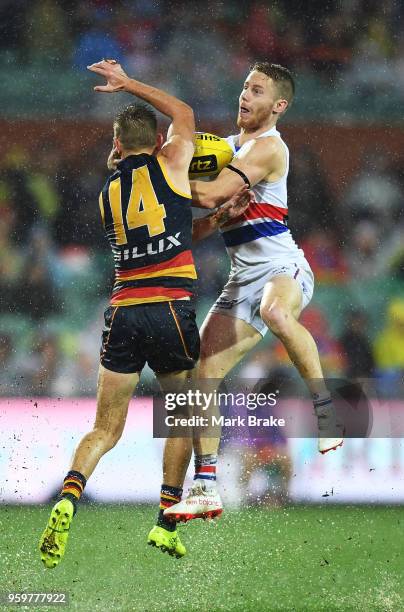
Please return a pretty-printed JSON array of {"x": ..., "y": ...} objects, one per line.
[
  {"x": 261, "y": 159},
  {"x": 179, "y": 148}
]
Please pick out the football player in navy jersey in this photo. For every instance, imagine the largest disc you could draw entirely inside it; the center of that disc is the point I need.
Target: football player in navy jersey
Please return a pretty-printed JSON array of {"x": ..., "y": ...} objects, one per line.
[{"x": 146, "y": 212}]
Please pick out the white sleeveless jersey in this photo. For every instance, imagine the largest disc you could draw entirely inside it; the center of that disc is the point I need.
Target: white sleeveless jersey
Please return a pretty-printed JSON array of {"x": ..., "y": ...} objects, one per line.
[{"x": 260, "y": 235}]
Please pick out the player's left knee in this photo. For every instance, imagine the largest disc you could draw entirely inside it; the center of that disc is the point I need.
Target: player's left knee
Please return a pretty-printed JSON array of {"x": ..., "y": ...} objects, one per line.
[{"x": 278, "y": 318}]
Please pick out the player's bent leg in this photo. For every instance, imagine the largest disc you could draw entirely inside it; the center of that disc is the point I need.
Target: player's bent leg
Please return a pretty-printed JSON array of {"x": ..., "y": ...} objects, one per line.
[
  {"x": 114, "y": 393},
  {"x": 281, "y": 306},
  {"x": 224, "y": 342}
]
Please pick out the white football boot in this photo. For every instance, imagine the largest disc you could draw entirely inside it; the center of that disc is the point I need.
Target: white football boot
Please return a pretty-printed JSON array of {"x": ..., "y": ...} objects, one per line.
[
  {"x": 328, "y": 425},
  {"x": 202, "y": 502},
  {"x": 328, "y": 444}
]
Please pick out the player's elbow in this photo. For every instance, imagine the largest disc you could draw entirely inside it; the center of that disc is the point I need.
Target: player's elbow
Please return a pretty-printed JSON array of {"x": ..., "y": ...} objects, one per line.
[
  {"x": 187, "y": 109},
  {"x": 185, "y": 114},
  {"x": 203, "y": 195}
]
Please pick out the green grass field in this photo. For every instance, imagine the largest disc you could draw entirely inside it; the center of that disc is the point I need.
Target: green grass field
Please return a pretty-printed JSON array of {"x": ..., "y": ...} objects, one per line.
[{"x": 297, "y": 558}]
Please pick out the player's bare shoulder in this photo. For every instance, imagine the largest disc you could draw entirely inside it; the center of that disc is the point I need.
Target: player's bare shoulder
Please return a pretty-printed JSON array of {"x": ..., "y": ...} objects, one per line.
[
  {"x": 277, "y": 157},
  {"x": 264, "y": 157},
  {"x": 174, "y": 158}
]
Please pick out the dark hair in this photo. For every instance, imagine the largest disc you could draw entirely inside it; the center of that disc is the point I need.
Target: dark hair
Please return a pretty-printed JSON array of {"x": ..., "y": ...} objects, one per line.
[
  {"x": 280, "y": 75},
  {"x": 136, "y": 126}
]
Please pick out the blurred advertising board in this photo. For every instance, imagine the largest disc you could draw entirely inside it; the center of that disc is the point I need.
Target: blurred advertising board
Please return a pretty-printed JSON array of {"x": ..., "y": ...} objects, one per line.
[{"x": 38, "y": 437}]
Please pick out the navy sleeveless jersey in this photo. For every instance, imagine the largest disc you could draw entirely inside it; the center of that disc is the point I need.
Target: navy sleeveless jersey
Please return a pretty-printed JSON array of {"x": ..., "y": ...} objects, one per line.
[{"x": 148, "y": 223}]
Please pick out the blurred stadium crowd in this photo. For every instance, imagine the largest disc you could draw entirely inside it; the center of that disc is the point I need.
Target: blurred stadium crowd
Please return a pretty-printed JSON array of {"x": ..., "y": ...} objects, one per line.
[
  {"x": 344, "y": 50},
  {"x": 55, "y": 267}
]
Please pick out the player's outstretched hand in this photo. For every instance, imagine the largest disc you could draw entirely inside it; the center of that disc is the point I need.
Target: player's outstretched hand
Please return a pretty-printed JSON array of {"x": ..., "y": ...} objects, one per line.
[
  {"x": 114, "y": 74},
  {"x": 235, "y": 206}
]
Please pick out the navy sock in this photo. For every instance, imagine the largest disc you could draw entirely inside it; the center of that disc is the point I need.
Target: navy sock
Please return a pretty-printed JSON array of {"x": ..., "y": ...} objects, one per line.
[
  {"x": 168, "y": 497},
  {"x": 73, "y": 487}
]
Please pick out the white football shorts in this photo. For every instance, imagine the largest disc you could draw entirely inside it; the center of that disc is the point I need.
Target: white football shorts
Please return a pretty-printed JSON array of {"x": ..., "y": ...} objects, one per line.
[{"x": 241, "y": 296}]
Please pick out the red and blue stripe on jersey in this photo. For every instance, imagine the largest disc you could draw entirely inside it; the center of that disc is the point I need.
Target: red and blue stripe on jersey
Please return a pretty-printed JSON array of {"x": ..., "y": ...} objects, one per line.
[{"x": 259, "y": 220}]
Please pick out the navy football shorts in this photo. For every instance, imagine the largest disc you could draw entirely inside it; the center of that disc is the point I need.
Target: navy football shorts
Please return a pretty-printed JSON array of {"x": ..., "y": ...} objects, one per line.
[{"x": 163, "y": 334}]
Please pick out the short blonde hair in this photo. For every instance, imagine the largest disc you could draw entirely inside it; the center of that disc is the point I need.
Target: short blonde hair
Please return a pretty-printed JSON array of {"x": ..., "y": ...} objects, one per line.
[{"x": 136, "y": 127}]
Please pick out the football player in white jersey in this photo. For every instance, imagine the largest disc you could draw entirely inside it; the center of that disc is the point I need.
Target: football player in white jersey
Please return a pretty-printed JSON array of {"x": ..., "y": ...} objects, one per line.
[{"x": 270, "y": 280}]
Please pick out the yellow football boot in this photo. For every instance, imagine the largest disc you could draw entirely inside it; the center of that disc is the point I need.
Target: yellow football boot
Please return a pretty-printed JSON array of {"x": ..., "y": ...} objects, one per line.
[
  {"x": 53, "y": 541},
  {"x": 166, "y": 541}
]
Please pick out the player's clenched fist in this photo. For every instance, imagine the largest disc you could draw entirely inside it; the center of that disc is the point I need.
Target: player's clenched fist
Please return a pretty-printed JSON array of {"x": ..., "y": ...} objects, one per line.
[{"x": 114, "y": 74}]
